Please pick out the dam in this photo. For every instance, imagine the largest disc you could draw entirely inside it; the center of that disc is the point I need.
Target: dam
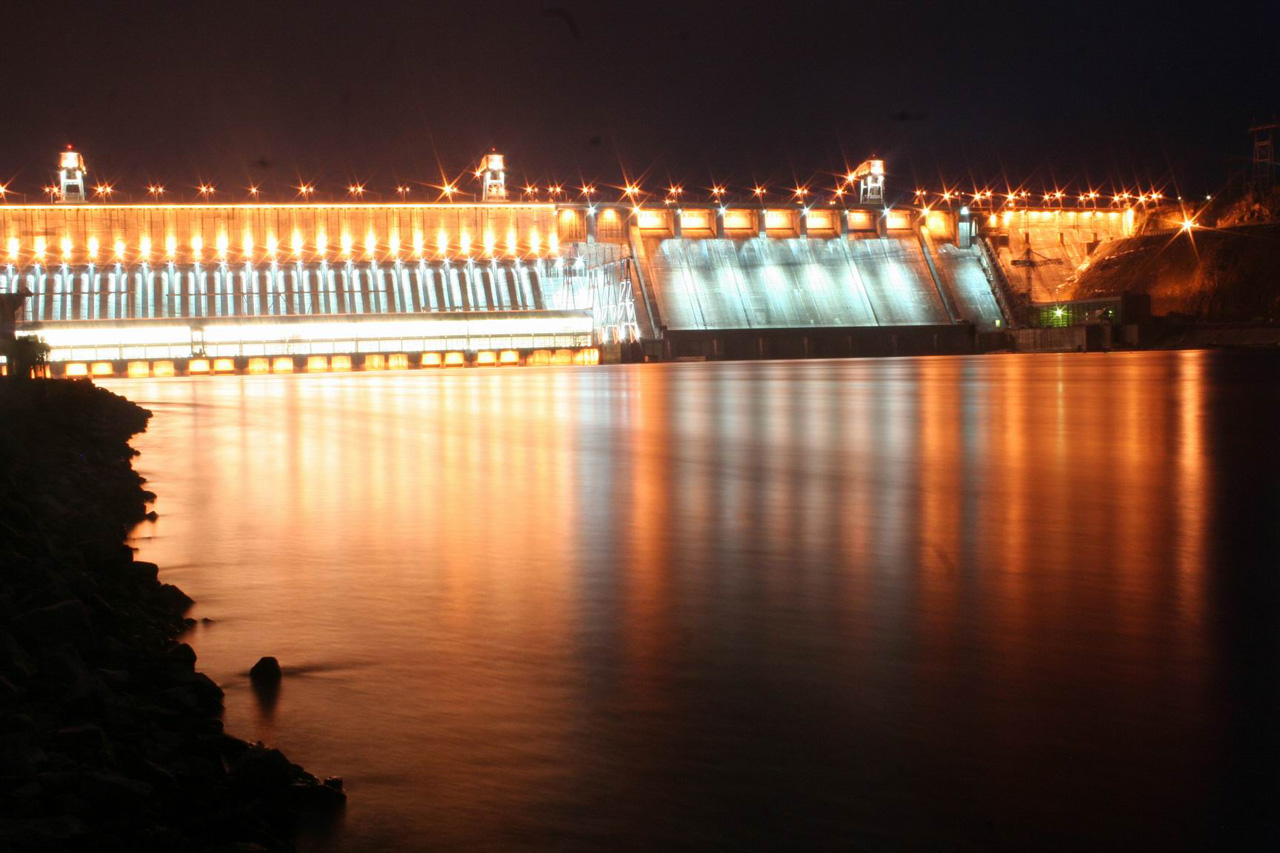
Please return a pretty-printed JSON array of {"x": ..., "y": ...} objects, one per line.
[{"x": 170, "y": 288}]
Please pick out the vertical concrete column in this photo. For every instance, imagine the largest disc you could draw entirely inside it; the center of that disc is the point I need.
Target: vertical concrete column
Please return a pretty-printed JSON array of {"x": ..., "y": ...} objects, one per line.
[
  {"x": 591, "y": 223},
  {"x": 677, "y": 227},
  {"x": 761, "y": 227},
  {"x": 844, "y": 221},
  {"x": 804, "y": 222},
  {"x": 720, "y": 221}
]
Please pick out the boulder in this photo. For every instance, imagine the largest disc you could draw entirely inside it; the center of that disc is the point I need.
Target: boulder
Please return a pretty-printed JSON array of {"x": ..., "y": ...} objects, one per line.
[
  {"x": 112, "y": 790},
  {"x": 260, "y": 767},
  {"x": 310, "y": 797},
  {"x": 143, "y": 571},
  {"x": 62, "y": 664},
  {"x": 266, "y": 671},
  {"x": 181, "y": 657},
  {"x": 14, "y": 661},
  {"x": 88, "y": 741},
  {"x": 174, "y": 597},
  {"x": 66, "y": 621},
  {"x": 9, "y": 692}
]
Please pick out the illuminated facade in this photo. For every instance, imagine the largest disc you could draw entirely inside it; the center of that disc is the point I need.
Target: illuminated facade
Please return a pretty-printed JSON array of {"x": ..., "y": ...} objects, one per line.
[{"x": 116, "y": 282}]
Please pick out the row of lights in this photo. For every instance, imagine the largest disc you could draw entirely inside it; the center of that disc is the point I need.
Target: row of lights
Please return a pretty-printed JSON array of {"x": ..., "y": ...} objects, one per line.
[
  {"x": 104, "y": 192},
  {"x": 299, "y": 246},
  {"x": 1013, "y": 198},
  {"x": 675, "y": 193}
]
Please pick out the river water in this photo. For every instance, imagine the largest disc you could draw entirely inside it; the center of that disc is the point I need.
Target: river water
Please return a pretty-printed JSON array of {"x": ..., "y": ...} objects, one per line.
[{"x": 940, "y": 603}]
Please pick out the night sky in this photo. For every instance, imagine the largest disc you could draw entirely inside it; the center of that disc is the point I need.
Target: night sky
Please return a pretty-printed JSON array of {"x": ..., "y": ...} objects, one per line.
[{"x": 277, "y": 93}]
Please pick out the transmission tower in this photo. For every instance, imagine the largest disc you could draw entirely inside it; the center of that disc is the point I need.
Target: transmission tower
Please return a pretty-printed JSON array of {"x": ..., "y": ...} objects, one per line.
[{"x": 1264, "y": 156}]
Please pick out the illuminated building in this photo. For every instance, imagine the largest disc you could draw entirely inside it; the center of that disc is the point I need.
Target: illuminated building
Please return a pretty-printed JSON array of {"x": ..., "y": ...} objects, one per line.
[{"x": 261, "y": 280}]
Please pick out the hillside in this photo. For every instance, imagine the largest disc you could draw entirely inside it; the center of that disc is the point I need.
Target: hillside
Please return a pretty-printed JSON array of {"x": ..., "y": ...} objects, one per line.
[{"x": 1229, "y": 274}]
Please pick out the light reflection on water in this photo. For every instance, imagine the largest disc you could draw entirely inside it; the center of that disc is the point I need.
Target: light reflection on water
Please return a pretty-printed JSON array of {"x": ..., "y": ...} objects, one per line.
[{"x": 950, "y": 602}]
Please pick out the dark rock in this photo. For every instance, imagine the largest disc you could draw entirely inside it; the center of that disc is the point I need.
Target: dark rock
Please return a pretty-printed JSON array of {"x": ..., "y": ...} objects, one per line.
[
  {"x": 65, "y": 621},
  {"x": 107, "y": 789},
  {"x": 15, "y": 663},
  {"x": 87, "y": 741},
  {"x": 143, "y": 571},
  {"x": 205, "y": 687},
  {"x": 109, "y": 737},
  {"x": 8, "y": 690},
  {"x": 308, "y": 796},
  {"x": 193, "y": 695},
  {"x": 260, "y": 767},
  {"x": 62, "y": 664},
  {"x": 41, "y": 833},
  {"x": 114, "y": 678},
  {"x": 266, "y": 671},
  {"x": 88, "y": 695},
  {"x": 174, "y": 597},
  {"x": 181, "y": 656},
  {"x": 19, "y": 757}
]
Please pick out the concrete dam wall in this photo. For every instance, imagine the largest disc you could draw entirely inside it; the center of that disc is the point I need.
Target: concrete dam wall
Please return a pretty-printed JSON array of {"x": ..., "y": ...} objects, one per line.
[
  {"x": 257, "y": 280},
  {"x": 1043, "y": 251}
]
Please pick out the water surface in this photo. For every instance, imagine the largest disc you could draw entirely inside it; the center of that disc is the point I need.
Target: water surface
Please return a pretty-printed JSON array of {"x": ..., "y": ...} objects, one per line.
[{"x": 941, "y": 603}]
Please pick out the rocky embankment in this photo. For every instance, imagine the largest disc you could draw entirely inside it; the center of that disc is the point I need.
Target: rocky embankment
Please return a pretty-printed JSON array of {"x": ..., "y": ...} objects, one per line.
[
  {"x": 1213, "y": 275},
  {"x": 109, "y": 737}
]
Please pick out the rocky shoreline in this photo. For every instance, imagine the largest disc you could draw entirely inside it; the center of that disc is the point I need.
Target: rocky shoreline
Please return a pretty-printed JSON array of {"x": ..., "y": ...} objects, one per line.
[{"x": 109, "y": 736}]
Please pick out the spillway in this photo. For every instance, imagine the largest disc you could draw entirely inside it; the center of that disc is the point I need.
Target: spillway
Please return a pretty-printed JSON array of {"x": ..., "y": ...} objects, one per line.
[
  {"x": 962, "y": 275},
  {"x": 791, "y": 283}
]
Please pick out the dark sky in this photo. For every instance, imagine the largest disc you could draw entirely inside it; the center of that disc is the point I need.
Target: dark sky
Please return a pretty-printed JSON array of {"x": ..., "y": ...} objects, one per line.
[{"x": 274, "y": 92}]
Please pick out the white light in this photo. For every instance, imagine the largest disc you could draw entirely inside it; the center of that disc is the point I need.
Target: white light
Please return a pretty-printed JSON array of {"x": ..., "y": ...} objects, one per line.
[{"x": 113, "y": 335}]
